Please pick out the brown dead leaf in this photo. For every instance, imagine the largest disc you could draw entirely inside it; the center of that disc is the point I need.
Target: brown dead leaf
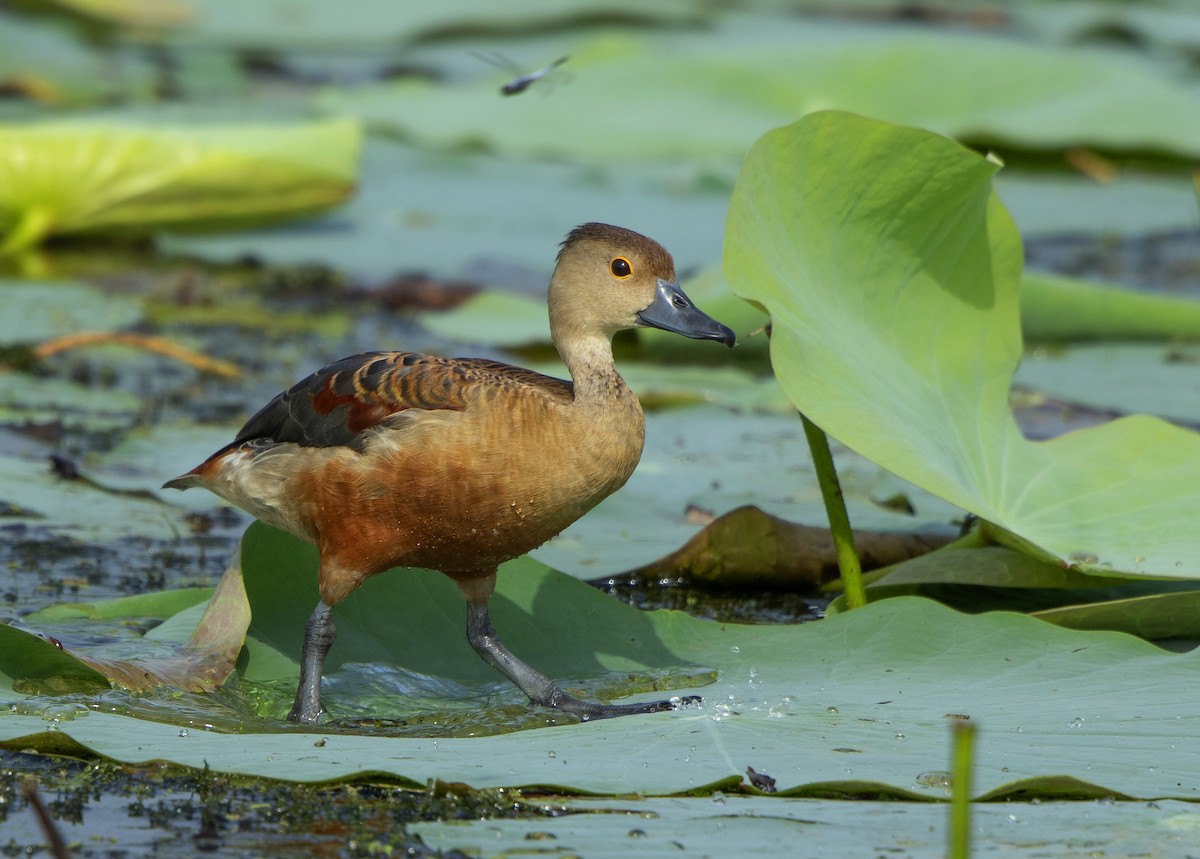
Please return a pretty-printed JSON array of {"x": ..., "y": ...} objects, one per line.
[{"x": 748, "y": 548}]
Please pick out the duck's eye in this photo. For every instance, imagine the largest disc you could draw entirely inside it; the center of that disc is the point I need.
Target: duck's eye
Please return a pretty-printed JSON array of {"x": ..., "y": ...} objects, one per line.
[{"x": 620, "y": 267}]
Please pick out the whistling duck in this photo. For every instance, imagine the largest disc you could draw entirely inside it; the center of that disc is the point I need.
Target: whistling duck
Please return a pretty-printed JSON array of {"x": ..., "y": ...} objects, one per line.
[{"x": 391, "y": 459}]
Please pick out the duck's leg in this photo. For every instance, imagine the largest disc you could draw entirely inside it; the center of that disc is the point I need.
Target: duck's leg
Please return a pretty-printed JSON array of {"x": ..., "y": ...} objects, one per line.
[
  {"x": 319, "y": 634},
  {"x": 540, "y": 688}
]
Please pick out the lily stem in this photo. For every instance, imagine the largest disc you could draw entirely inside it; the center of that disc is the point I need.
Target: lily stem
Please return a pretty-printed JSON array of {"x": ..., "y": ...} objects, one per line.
[
  {"x": 959, "y": 846},
  {"x": 839, "y": 519}
]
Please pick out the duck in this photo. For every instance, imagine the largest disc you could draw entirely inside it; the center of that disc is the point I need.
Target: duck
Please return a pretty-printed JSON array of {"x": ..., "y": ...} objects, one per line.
[{"x": 387, "y": 460}]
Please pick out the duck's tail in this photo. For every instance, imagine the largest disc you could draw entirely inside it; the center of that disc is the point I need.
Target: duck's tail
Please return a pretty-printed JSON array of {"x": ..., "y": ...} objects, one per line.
[{"x": 185, "y": 481}]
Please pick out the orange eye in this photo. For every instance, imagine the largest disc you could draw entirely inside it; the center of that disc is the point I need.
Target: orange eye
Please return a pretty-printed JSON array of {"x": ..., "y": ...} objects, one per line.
[{"x": 620, "y": 267}]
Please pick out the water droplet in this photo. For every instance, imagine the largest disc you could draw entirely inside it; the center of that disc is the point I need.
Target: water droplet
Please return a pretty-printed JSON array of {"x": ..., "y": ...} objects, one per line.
[
  {"x": 692, "y": 749},
  {"x": 1020, "y": 730},
  {"x": 551, "y": 754},
  {"x": 1077, "y": 722},
  {"x": 753, "y": 672},
  {"x": 183, "y": 732},
  {"x": 735, "y": 649},
  {"x": 935, "y": 778},
  {"x": 900, "y": 738},
  {"x": 831, "y": 709},
  {"x": 637, "y": 833},
  {"x": 717, "y": 798},
  {"x": 1012, "y": 818}
]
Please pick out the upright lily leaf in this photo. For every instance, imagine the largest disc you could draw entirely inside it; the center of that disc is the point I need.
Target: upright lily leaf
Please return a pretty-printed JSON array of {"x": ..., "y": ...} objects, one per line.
[
  {"x": 68, "y": 177},
  {"x": 891, "y": 270}
]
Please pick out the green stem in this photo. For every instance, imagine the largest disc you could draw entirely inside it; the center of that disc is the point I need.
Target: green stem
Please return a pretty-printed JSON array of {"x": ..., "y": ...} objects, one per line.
[
  {"x": 839, "y": 520},
  {"x": 31, "y": 227},
  {"x": 960, "y": 790}
]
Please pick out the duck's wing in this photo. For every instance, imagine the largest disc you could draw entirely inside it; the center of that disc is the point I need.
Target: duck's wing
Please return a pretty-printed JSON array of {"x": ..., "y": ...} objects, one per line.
[{"x": 342, "y": 402}]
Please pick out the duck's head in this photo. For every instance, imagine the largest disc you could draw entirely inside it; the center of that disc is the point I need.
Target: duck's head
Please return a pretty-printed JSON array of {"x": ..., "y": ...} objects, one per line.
[{"x": 608, "y": 279}]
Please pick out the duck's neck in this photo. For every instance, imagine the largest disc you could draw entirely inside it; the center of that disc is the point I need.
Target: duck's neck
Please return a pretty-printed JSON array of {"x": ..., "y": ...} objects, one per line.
[{"x": 590, "y": 361}]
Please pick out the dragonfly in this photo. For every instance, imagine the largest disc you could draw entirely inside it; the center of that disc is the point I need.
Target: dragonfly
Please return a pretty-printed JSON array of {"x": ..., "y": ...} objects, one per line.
[{"x": 522, "y": 82}]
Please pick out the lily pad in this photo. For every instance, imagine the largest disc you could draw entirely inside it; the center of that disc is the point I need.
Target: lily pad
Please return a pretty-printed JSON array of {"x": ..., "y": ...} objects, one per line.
[
  {"x": 1154, "y": 616},
  {"x": 1062, "y": 308},
  {"x": 729, "y": 84},
  {"x": 1054, "y": 204},
  {"x": 493, "y": 317},
  {"x": 452, "y": 214},
  {"x": 712, "y": 460},
  {"x": 313, "y": 24},
  {"x": 45, "y": 64},
  {"x": 87, "y": 176},
  {"x": 30, "y": 401},
  {"x": 730, "y": 825},
  {"x": 865, "y": 712},
  {"x": 891, "y": 273},
  {"x": 1154, "y": 378},
  {"x": 202, "y": 663},
  {"x": 36, "y": 311},
  {"x": 80, "y": 509},
  {"x": 160, "y": 604}
]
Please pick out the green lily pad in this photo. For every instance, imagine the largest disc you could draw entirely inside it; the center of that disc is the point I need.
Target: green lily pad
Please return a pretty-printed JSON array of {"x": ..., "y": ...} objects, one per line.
[
  {"x": 452, "y": 214},
  {"x": 313, "y": 24},
  {"x": 87, "y": 176},
  {"x": 30, "y": 401},
  {"x": 493, "y": 317},
  {"x": 80, "y": 509},
  {"x": 160, "y": 604},
  {"x": 1153, "y": 378},
  {"x": 1154, "y": 616},
  {"x": 727, "y": 85},
  {"x": 37, "y": 311},
  {"x": 202, "y": 662},
  {"x": 865, "y": 712},
  {"x": 1053, "y": 204},
  {"x": 731, "y": 825},
  {"x": 712, "y": 460},
  {"x": 1063, "y": 308},
  {"x": 891, "y": 273},
  {"x": 987, "y": 566},
  {"x": 46, "y": 64}
]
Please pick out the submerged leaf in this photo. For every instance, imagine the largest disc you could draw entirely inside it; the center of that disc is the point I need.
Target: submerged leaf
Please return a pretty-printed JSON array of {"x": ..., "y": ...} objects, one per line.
[
  {"x": 891, "y": 273},
  {"x": 70, "y": 177}
]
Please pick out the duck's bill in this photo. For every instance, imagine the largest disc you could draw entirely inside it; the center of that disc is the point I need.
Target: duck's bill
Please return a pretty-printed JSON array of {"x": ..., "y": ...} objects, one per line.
[{"x": 671, "y": 310}]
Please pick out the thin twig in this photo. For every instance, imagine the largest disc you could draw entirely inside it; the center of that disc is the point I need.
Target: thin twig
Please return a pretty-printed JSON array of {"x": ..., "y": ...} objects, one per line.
[
  {"x": 145, "y": 342},
  {"x": 58, "y": 845}
]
